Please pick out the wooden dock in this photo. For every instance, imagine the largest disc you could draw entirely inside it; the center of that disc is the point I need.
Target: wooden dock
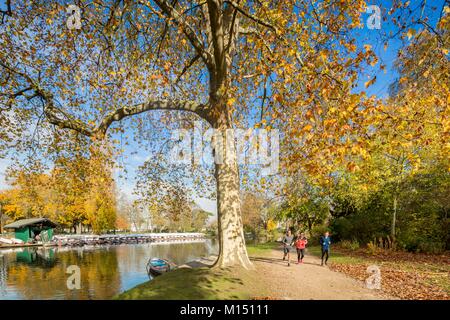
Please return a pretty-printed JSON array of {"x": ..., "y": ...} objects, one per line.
[
  {"x": 20, "y": 245},
  {"x": 74, "y": 240}
]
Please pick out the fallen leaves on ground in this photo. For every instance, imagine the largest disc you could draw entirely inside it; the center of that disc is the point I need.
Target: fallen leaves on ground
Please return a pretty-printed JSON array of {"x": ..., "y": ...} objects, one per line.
[
  {"x": 400, "y": 256},
  {"x": 403, "y": 275}
]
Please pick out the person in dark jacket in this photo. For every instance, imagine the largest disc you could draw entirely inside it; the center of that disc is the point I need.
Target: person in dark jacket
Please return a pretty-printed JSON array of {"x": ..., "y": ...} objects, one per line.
[{"x": 325, "y": 243}]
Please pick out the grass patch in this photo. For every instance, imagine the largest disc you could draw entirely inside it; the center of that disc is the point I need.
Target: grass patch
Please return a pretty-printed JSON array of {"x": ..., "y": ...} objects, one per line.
[
  {"x": 261, "y": 248},
  {"x": 335, "y": 257},
  {"x": 201, "y": 283},
  {"x": 441, "y": 281}
]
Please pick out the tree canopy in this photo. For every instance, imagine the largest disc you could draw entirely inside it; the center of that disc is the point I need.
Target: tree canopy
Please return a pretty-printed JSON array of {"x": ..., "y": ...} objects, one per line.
[{"x": 287, "y": 65}]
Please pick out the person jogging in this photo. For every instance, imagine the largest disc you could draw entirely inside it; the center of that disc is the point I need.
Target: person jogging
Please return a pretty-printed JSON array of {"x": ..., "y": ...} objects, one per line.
[
  {"x": 287, "y": 243},
  {"x": 325, "y": 243},
  {"x": 300, "y": 245}
]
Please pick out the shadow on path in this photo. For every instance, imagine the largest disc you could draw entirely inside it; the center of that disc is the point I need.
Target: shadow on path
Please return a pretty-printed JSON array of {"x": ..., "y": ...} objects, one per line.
[
  {"x": 280, "y": 261},
  {"x": 269, "y": 260}
]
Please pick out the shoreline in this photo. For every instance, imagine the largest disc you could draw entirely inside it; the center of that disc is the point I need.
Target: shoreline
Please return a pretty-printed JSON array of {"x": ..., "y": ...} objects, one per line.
[{"x": 117, "y": 239}]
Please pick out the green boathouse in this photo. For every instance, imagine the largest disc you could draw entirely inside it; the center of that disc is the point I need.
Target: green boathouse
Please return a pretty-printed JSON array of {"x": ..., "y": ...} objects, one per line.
[{"x": 28, "y": 229}]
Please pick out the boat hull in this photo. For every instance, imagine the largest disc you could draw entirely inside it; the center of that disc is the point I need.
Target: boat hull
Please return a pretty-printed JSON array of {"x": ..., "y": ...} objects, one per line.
[{"x": 157, "y": 267}]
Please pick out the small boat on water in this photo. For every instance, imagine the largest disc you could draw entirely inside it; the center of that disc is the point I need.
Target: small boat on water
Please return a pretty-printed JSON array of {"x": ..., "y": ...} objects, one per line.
[{"x": 157, "y": 266}]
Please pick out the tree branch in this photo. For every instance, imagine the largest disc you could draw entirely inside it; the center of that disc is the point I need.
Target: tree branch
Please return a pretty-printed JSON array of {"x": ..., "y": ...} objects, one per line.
[
  {"x": 7, "y": 12},
  {"x": 216, "y": 24},
  {"x": 252, "y": 31},
  {"x": 51, "y": 112},
  {"x": 119, "y": 114},
  {"x": 252, "y": 16},
  {"x": 59, "y": 118},
  {"x": 187, "y": 30},
  {"x": 70, "y": 122},
  {"x": 187, "y": 66}
]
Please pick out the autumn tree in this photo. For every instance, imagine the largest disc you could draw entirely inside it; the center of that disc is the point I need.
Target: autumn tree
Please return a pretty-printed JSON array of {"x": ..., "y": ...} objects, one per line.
[
  {"x": 252, "y": 212},
  {"x": 212, "y": 58},
  {"x": 199, "y": 219},
  {"x": 410, "y": 130},
  {"x": 78, "y": 191}
]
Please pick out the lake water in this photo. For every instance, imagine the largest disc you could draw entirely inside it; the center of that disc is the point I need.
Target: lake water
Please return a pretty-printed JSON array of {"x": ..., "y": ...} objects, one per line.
[{"x": 40, "y": 273}]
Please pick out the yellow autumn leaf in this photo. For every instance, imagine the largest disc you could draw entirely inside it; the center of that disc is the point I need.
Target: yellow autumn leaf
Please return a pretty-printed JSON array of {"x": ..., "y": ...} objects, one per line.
[
  {"x": 370, "y": 82},
  {"x": 231, "y": 101},
  {"x": 306, "y": 128},
  {"x": 411, "y": 32}
]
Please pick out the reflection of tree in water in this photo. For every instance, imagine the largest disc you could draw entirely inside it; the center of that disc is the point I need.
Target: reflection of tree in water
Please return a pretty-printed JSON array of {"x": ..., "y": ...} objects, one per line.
[
  {"x": 99, "y": 273},
  {"x": 180, "y": 253},
  {"x": 136, "y": 258},
  {"x": 41, "y": 257},
  {"x": 3, "y": 274},
  {"x": 99, "y": 276}
]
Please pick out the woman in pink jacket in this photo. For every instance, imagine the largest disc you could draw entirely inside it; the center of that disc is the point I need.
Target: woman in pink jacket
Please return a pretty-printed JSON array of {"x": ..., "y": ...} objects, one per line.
[{"x": 300, "y": 245}]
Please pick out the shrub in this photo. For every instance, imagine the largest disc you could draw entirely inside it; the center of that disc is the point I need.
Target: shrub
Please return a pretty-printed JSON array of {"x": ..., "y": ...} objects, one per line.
[
  {"x": 317, "y": 232},
  {"x": 431, "y": 247},
  {"x": 351, "y": 245},
  {"x": 275, "y": 234},
  {"x": 372, "y": 248}
]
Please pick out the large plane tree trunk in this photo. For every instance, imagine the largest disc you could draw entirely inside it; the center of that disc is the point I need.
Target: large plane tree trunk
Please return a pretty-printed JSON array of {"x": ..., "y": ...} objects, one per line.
[{"x": 232, "y": 250}]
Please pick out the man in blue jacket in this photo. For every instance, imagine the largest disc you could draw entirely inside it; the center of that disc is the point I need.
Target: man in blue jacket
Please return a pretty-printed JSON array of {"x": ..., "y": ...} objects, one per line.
[{"x": 325, "y": 242}]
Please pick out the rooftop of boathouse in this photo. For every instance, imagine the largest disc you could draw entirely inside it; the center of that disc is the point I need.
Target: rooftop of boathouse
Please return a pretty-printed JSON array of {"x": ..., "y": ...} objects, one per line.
[{"x": 30, "y": 222}]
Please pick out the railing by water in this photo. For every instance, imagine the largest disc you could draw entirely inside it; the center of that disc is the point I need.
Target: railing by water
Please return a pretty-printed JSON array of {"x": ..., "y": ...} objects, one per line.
[{"x": 76, "y": 240}]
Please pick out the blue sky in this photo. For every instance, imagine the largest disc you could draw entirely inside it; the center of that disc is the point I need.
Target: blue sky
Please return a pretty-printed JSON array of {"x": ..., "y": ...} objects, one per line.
[{"x": 135, "y": 155}]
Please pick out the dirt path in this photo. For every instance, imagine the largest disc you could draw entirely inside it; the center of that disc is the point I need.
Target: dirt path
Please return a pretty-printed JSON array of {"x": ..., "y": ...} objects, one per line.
[{"x": 309, "y": 280}]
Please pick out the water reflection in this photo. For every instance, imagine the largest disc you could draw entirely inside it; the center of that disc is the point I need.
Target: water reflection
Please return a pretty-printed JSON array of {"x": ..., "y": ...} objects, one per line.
[{"x": 40, "y": 273}]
